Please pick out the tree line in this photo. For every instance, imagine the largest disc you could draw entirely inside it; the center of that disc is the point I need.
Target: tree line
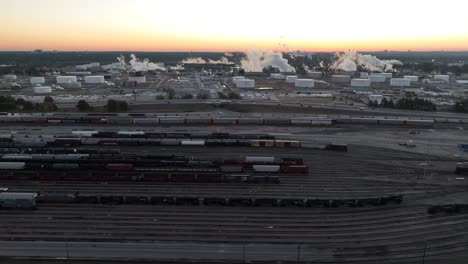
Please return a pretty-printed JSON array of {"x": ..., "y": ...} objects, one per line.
[
  {"x": 8, "y": 103},
  {"x": 406, "y": 104}
]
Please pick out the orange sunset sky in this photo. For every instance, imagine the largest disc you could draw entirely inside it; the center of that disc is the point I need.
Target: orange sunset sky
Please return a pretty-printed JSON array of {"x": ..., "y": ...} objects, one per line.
[{"x": 210, "y": 25}]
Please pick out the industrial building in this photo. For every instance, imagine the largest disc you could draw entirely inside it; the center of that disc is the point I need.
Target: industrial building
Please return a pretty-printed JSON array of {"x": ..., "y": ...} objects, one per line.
[{"x": 10, "y": 77}]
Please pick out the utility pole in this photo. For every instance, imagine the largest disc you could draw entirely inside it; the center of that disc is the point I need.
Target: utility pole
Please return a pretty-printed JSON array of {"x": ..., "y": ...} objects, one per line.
[
  {"x": 298, "y": 254},
  {"x": 424, "y": 254}
]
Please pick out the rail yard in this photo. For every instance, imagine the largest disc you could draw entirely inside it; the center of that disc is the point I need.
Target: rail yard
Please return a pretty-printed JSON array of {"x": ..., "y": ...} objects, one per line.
[{"x": 147, "y": 187}]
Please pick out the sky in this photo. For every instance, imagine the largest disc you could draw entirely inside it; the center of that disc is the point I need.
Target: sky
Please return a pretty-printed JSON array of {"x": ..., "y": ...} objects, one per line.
[{"x": 239, "y": 25}]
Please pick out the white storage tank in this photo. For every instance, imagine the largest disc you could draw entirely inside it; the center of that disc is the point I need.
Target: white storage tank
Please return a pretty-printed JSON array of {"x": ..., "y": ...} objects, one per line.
[
  {"x": 444, "y": 78},
  {"x": 245, "y": 83},
  {"x": 291, "y": 78},
  {"x": 360, "y": 82},
  {"x": 259, "y": 159},
  {"x": 94, "y": 79},
  {"x": 236, "y": 78},
  {"x": 364, "y": 75},
  {"x": 400, "y": 82},
  {"x": 277, "y": 76},
  {"x": 341, "y": 78},
  {"x": 387, "y": 75},
  {"x": 10, "y": 77},
  {"x": 377, "y": 78},
  {"x": 66, "y": 79},
  {"x": 411, "y": 78},
  {"x": 37, "y": 80},
  {"x": 304, "y": 83},
  {"x": 138, "y": 79},
  {"x": 314, "y": 74},
  {"x": 42, "y": 89},
  {"x": 12, "y": 165}
]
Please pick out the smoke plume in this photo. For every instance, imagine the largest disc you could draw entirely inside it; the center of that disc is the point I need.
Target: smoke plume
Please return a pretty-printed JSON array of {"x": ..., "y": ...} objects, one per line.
[
  {"x": 199, "y": 60},
  {"x": 134, "y": 64},
  {"x": 255, "y": 61},
  {"x": 350, "y": 60}
]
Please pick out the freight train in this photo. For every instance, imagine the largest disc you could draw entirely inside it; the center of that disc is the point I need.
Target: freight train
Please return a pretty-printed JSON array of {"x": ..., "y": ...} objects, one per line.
[
  {"x": 145, "y": 119},
  {"x": 30, "y": 200}
]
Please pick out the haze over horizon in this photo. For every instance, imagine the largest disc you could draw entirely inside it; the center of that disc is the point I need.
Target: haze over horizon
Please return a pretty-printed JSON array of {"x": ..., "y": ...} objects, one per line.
[{"x": 207, "y": 25}]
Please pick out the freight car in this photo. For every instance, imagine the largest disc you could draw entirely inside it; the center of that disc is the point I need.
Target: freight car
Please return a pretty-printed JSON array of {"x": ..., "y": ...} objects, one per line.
[
  {"x": 18, "y": 200},
  {"x": 448, "y": 208}
]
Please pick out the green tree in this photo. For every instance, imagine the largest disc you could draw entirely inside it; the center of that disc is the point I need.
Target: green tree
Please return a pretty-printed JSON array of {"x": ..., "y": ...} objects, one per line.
[
  {"x": 170, "y": 93},
  {"x": 48, "y": 100},
  {"x": 160, "y": 97},
  {"x": 203, "y": 95},
  {"x": 187, "y": 96},
  {"x": 28, "y": 106},
  {"x": 122, "y": 106},
  {"x": 83, "y": 106},
  {"x": 234, "y": 95},
  {"x": 111, "y": 106}
]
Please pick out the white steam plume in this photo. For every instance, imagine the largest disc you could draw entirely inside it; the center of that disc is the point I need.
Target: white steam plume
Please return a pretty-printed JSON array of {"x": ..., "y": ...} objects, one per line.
[
  {"x": 255, "y": 61},
  {"x": 135, "y": 64},
  {"x": 199, "y": 60},
  {"x": 350, "y": 60}
]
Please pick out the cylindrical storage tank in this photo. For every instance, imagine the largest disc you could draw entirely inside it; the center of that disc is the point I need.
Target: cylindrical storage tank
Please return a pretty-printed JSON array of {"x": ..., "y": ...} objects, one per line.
[
  {"x": 138, "y": 79},
  {"x": 400, "y": 82},
  {"x": 304, "y": 83},
  {"x": 388, "y": 75},
  {"x": 444, "y": 78},
  {"x": 259, "y": 159},
  {"x": 377, "y": 78},
  {"x": 314, "y": 74},
  {"x": 94, "y": 79},
  {"x": 291, "y": 78},
  {"x": 277, "y": 76},
  {"x": 236, "y": 78},
  {"x": 192, "y": 142},
  {"x": 266, "y": 168},
  {"x": 411, "y": 78},
  {"x": 341, "y": 78},
  {"x": 364, "y": 75},
  {"x": 42, "y": 89},
  {"x": 66, "y": 79},
  {"x": 360, "y": 82},
  {"x": 37, "y": 80},
  {"x": 10, "y": 77},
  {"x": 245, "y": 83}
]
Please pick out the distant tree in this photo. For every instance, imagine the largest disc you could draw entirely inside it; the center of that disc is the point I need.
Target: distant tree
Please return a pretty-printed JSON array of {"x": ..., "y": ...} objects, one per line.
[
  {"x": 234, "y": 95},
  {"x": 20, "y": 101},
  {"x": 222, "y": 95},
  {"x": 28, "y": 106},
  {"x": 203, "y": 95},
  {"x": 83, "y": 106},
  {"x": 187, "y": 96},
  {"x": 49, "y": 100},
  {"x": 170, "y": 93},
  {"x": 160, "y": 97},
  {"x": 111, "y": 106},
  {"x": 461, "y": 107},
  {"x": 122, "y": 106}
]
